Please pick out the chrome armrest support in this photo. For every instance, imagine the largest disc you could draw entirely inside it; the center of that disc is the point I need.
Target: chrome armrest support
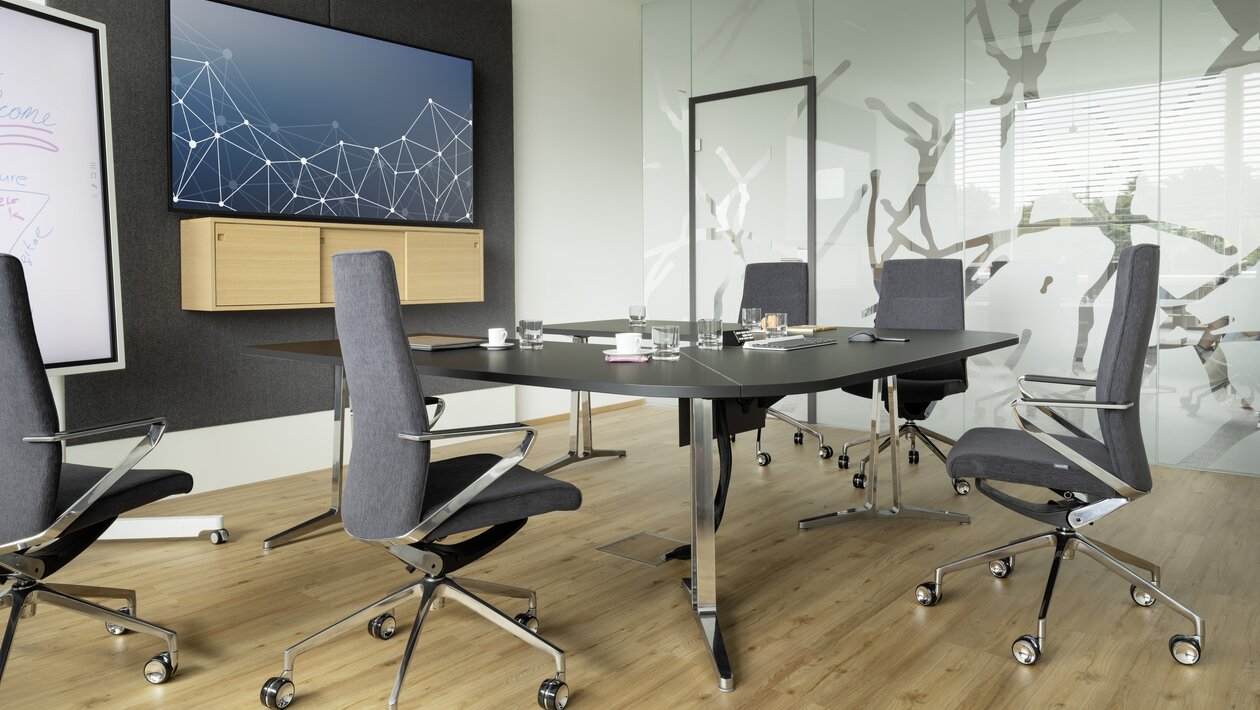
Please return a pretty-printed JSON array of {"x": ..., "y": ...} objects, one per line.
[
  {"x": 1125, "y": 490},
  {"x": 464, "y": 497},
  {"x": 157, "y": 427},
  {"x": 93, "y": 431},
  {"x": 440, "y": 405}
]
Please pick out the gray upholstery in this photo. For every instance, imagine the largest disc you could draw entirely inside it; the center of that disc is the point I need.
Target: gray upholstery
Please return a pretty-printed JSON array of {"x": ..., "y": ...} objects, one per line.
[
  {"x": 391, "y": 483},
  {"x": 926, "y": 294},
  {"x": 1012, "y": 455},
  {"x": 778, "y": 287},
  {"x": 28, "y": 472},
  {"x": 35, "y": 486},
  {"x": 922, "y": 294}
]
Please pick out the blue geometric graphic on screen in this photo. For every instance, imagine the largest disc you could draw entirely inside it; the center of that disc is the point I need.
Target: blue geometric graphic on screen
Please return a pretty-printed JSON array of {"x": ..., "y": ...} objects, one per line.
[{"x": 274, "y": 116}]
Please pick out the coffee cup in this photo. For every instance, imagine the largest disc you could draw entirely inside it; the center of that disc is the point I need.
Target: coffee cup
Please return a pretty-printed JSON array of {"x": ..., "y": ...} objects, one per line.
[
  {"x": 628, "y": 343},
  {"x": 497, "y": 336}
]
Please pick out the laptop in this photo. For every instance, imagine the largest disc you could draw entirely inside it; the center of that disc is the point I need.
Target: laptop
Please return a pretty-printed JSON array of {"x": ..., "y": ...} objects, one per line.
[
  {"x": 791, "y": 342},
  {"x": 425, "y": 341}
]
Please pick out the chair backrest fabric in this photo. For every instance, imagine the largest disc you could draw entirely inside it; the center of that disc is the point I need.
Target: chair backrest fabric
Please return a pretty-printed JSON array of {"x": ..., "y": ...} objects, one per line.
[
  {"x": 921, "y": 293},
  {"x": 1123, "y": 361},
  {"x": 29, "y": 473},
  {"x": 778, "y": 287},
  {"x": 385, "y": 482}
]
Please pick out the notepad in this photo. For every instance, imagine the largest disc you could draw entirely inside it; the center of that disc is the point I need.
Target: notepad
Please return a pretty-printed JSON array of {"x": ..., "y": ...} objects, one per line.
[{"x": 425, "y": 341}]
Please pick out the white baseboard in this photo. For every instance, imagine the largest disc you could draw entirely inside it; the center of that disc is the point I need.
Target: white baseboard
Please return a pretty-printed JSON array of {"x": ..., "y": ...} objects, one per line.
[{"x": 235, "y": 454}]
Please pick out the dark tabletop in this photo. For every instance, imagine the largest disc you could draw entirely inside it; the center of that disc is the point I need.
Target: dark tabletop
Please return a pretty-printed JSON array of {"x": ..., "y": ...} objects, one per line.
[{"x": 711, "y": 374}]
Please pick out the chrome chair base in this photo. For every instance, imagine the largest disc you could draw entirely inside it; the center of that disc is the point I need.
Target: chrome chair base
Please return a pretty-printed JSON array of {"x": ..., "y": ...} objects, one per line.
[
  {"x": 279, "y": 691},
  {"x": 23, "y": 597},
  {"x": 824, "y": 451},
  {"x": 1145, "y": 592},
  {"x": 911, "y": 432}
]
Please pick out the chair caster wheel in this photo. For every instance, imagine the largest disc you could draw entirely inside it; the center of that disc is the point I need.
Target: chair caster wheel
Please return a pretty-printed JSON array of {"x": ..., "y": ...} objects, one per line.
[
  {"x": 1185, "y": 649},
  {"x": 278, "y": 693},
  {"x": 159, "y": 669},
  {"x": 553, "y": 694},
  {"x": 825, "y": 452},
  {"x": 842, "y": 461},
  {"x": 115, "y": 629},
  {"x": 798, "y": 438},
  {"x": 1140, "y": 596},
  {"x": 732, "y": 438},
  {"x": 961, "y": 486},
  {"x": 763, "y": 459},
  {"x": 927, "y": 594},
  {"x": 218, "y": 537},
  {"x": 528, "y": 620},
  {"x": 382, "y": 627},
  {"x": 859, "y": 480},
  {"x": 913, "y": 456},
  {"x": 1026, "y": 649},
  {"x": 1002, "y": 568}
]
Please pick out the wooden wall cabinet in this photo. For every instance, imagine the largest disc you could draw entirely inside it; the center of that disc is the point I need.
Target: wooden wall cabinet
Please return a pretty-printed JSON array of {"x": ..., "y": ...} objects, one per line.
[{"x": 231, "y": 264}]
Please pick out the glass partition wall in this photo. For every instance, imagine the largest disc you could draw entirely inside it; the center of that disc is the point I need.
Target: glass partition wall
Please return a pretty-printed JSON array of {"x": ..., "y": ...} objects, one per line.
[{"x": 1032, "y": 139}]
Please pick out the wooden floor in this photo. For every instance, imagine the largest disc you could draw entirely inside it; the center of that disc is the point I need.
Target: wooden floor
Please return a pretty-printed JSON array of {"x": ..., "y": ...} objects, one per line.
[{"x": 818, "y": 619}]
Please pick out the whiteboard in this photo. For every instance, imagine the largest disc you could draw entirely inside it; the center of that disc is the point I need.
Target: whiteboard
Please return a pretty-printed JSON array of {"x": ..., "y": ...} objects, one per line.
[{"x": 56, "y": 194}]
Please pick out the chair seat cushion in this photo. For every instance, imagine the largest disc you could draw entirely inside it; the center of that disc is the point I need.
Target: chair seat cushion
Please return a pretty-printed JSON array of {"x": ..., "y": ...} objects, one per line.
[
  {"x": 518, "y": 494},
  {"x": 134, "y": 489},
  {"x": 1015, "y": 456}
]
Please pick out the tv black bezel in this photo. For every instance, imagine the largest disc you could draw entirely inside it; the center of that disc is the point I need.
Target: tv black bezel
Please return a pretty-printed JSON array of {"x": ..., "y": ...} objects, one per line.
[{"x": 171, "y": 205}]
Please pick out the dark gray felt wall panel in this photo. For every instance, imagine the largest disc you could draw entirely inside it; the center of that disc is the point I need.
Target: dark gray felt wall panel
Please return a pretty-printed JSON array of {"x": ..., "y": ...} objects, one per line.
[{"x": 187, "y": 365}]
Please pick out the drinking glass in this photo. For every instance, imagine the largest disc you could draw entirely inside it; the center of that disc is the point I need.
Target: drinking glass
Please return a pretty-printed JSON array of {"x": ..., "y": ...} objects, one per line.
[
  {"x": 776, "y": 325},
  {"x": 709, "y": 333},
  {"x": 750, "y": 318},
  {"x": 638, "y": 316},
  {"x": 531, "y": 335},
  {"x": 665, "y": 342}
]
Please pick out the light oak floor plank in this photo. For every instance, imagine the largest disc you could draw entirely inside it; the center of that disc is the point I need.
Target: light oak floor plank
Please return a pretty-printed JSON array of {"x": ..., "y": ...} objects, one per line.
[{"x": 818, "y": 619}]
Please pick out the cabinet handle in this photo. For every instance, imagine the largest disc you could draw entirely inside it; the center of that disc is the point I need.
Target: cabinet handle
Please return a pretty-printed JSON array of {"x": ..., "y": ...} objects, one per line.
[{"x": 220, "y": 237}]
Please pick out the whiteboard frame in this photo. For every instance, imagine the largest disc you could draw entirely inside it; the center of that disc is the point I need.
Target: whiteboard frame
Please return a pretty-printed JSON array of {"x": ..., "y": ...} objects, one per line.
[{"x": 118, "y": 361}]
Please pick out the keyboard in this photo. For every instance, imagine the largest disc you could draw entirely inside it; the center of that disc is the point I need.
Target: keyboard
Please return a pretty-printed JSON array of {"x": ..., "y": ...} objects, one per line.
[{"x": 797, "y": 342}]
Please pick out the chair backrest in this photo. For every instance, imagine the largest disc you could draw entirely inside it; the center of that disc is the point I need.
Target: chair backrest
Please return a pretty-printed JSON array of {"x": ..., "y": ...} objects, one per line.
[
  {"x": 1123, "y": 361},
  {"x": 921, "y": 293},
  {"x": 384, "y": 486},
  {"x": 778, "y": 287},
  {"x": 29, "y": 473}
]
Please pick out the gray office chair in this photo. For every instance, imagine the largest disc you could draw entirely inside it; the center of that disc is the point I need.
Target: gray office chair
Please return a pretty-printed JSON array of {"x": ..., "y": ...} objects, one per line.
[
  {"x": 1091, "y": 478},
  {"x": 782, "y": 287},
  {"x": 922, "y": 294},
  {"x": 51, "y": 511},
  {"x": 398, "y": 499}
]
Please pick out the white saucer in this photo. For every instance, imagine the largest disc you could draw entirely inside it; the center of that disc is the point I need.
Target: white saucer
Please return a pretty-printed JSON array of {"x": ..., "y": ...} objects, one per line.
[
  {"x": 504, "y": 346},
  {"x": 642, "y": 351}
]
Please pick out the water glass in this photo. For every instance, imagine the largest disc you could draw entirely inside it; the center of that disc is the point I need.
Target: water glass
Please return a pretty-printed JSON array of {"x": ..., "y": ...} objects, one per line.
[
  {"x": 709, "y": 333},
  {"x": 531, "y": 335},
  {"x": 750, "y": 318},
  {"x": 638, "y": 316},
  {"x": 665, "y": 342},
  {"x": 776, "y": 325}
]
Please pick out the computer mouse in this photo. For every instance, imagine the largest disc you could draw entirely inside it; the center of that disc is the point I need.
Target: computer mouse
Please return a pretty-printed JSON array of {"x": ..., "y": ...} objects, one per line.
[{"x": 863, "y": 336}]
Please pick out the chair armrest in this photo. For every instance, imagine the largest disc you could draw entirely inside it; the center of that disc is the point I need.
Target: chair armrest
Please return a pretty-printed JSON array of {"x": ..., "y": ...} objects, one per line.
[
  {"x": 1099, "y": 473},
  {"x": 93, "y": 431},
  {"x": 435, "y": 402},
  {"x": 464, "y": 432},
  {"x": 1054, "y": 380},
  {"x": 157, "y": 427},
  {"x": 466, "y": 496},
  {"x": 1072, "y": 403}
]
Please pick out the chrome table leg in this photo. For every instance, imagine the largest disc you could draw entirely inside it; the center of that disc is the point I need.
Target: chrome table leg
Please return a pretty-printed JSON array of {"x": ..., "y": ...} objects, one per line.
[
  {"x": 581, "y": 444},
  {"x": 701, "y": 587},
  {"x": 871, "y": 508},
  {"x": 332, "y": 516}
]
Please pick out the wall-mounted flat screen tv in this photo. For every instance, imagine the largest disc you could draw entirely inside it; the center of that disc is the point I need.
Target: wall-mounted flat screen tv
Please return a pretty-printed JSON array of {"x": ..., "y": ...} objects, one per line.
[{"x": 274, "y": 116}]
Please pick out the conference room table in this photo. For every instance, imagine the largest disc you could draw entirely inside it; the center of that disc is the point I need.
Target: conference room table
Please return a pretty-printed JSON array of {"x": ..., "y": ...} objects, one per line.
[{"x": 702, "y": 380}]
